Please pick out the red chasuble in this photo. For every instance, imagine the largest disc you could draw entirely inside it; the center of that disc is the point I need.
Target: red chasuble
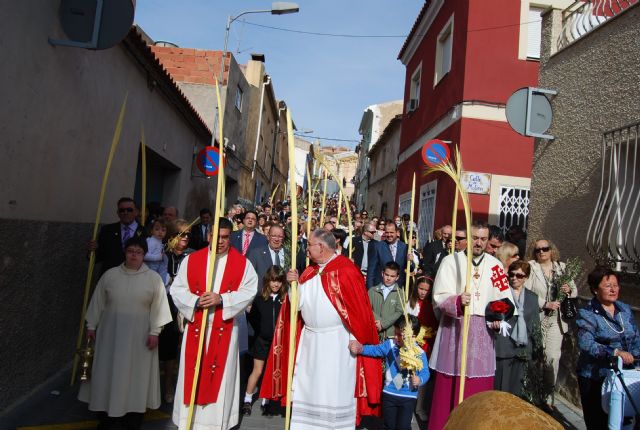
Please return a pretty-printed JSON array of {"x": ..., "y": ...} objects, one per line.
[
  {"x": 214, "y": 357},
  {"x": 428, "y": 320},
  {"x": 343, "y": 284}
]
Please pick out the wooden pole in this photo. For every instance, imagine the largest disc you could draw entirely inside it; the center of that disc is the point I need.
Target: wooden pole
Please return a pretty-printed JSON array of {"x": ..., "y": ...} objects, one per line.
[
  {"x": 324, "y": 199},
  {"x": 294, "y": 251},
  {"x": 273, "y": 196},
  {"x": 409, "y": 244},
  {"x": 454, "y": 172},
  {"x": 327, "y": 170},
  {"x": 213, "y": 247},
  {"x": 92, "y": 255},
  {"x": 309, "y": 210}
]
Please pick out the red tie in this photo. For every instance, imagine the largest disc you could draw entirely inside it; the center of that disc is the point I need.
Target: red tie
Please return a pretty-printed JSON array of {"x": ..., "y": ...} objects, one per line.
[{"x": 245, "y": 244}]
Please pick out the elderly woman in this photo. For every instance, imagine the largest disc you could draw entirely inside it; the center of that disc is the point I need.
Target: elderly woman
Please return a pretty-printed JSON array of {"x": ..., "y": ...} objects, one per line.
[
  {"x": 513, "y": 352},
  {"x": 126, "y": 314},
  {"x": 606, "y": 328},
  {"x": 545, "y": 269},
  {"x": 507, "y": 254}
]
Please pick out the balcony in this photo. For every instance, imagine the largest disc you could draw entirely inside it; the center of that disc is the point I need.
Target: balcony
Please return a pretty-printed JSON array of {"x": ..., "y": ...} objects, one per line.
[{"x": 583, "y": 16}]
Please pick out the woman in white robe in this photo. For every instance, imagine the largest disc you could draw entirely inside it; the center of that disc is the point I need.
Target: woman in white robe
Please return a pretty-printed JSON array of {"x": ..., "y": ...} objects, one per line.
[{"x": 127, "y": 312}]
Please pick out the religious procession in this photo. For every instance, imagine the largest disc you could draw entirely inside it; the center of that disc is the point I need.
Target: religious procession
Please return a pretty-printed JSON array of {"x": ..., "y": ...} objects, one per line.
[{"x": 454, "y": 245}]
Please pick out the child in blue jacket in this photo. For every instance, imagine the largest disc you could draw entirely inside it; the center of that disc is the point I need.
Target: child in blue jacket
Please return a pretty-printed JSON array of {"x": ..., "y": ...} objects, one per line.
[{"x": 400, "y": 390}]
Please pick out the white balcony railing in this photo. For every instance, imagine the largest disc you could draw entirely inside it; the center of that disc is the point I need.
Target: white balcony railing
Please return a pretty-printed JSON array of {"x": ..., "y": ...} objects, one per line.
[{"x": 583, "y": 16}]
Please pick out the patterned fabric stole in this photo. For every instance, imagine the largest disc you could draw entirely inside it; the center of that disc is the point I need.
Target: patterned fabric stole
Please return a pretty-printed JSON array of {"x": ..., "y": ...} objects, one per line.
[{"x": 212, "y": 364}]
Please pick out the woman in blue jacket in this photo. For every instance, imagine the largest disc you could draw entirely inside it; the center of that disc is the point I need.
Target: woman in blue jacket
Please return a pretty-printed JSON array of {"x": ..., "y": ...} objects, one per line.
[{"x": 606, "y": 328}]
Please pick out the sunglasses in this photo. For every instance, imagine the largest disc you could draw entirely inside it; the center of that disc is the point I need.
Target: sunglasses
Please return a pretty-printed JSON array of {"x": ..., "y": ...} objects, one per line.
[
  {"x": 123, "y": 210},
  {"x": 544, "y": 249},
  {"x": 517, "y": 275},
  {"x": 459, "y": 238}
]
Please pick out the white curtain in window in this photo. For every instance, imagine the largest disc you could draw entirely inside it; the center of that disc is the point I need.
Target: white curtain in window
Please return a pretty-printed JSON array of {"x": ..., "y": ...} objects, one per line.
[{"x": 534, "y": 32}]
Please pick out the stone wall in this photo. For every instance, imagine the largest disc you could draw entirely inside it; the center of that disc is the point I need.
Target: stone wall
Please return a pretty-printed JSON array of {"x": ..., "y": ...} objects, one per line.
[{"x": 597, "y": 79}]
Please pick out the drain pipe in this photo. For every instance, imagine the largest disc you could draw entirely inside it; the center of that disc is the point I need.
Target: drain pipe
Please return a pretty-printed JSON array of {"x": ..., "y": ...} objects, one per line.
[{"x": 266, "y": 82}]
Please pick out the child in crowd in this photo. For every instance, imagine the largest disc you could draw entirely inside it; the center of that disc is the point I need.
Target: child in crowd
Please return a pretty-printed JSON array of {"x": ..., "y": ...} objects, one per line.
[
  {"x": 400, "y": 386},
  {"x": 156, "y": 258},
  {"x": 262, "y": 317},
  {"x": 385, "y": 300},
  {"x": 419, "y": 292}
]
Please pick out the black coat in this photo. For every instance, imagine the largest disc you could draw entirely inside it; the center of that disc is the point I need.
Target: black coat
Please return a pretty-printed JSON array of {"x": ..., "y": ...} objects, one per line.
[
  {"x": 263, "y": 316},
  {"x": 110, "y": 252},
  {"x": 257, "y": 241},
  {"x": 198, "y": 238},
  {"x": 430, "y": 256},
  {"x": 358, "y": 250}
]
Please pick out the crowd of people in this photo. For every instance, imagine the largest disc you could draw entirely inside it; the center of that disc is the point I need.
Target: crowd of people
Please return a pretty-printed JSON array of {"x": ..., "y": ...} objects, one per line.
[{"x": 148, "y": 309}]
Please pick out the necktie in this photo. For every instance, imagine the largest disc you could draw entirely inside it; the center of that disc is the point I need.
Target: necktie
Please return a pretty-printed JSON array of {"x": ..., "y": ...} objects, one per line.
[
  {"x": 277, "y": 258},
  {"x": 392, "y": 248},
  {"x": 245, "y": 244},
  {"x": 126, "y": 235}
]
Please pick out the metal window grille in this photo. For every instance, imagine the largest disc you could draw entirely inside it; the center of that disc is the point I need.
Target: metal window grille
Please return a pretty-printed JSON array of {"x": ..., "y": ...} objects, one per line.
[
  {"x": 427, "y": 211},
  {"x": 514, "y": 207},
  {"x": 614, "y": 230}
]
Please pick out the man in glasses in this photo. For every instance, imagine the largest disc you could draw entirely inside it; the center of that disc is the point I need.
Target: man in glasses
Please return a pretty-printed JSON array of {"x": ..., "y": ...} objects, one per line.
[
  {"x": 488, "y": 283},
  {"x": 364, "y": 247},
  {"x": 109, "y": 247},
  {"x": 331, "y": 387},
  {"x": 433, "y": 251},
  {"x": 233, "y": 288}
]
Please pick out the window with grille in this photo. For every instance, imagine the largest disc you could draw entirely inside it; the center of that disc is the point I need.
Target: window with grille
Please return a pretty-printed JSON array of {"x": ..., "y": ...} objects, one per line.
[
  {"x": 513, "y": 207},
  {"x": 614, "y": 231},
  {"x": 427, "y": 212}
]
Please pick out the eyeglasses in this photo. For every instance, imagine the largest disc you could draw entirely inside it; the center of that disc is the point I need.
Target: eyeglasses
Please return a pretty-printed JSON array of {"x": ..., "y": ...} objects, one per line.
[
  {"x": 370, "y": 231},
  {"x": 543, "y": 249},
  {"x": 459, "y": 238},
  {"x": 517, "y": 275},
  {"x": 123, "y": 210}
]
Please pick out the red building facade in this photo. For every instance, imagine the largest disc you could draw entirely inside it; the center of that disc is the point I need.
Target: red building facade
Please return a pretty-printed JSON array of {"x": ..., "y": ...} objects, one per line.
[{"x": 463, "y": 60}]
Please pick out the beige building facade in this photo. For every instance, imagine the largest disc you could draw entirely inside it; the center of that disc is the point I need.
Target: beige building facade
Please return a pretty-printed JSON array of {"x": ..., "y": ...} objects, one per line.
[
  {"x": 585, "y": 182},
  {"x": 383, "y": 162},
  {"x": 59, "y": 111}
]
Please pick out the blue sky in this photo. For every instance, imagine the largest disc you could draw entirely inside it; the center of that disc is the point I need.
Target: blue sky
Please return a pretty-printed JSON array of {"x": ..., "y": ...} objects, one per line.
[{"x": 326, "y": 81}]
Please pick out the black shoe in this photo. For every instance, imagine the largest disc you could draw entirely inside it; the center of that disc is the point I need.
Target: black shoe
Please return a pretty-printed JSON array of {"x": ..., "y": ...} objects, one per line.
[{"x": 246, "y": 409}]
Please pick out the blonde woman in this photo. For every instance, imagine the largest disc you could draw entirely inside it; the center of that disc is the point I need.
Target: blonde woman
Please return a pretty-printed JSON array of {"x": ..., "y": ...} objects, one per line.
[
  {"x": 507, "y": 254},
  {"x": 544, "y": 259}
]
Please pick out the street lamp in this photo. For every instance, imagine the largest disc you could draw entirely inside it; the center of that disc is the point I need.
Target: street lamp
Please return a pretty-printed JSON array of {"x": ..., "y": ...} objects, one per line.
[{"x": 277, "y": 8}]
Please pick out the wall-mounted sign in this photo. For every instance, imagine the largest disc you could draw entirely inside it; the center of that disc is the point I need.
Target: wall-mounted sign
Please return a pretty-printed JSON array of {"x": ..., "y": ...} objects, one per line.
[
  {"x": 208, "y": 160},
  {"x": 476, "y": 183},
  {"x": 435, "y": 152}
]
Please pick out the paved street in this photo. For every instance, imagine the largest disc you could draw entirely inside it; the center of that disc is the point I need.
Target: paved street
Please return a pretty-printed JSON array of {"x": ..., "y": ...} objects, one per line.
[{"x": 55, "y": 407}]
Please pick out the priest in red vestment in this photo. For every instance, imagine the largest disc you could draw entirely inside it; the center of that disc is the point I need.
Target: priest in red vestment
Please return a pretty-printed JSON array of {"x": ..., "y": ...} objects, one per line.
[
  {"x": 234, "y": 285},
  {"x": 331, "y": 387}
]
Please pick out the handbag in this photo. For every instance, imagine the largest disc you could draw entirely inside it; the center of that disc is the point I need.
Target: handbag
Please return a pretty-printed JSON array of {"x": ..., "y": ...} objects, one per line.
[{"x": 568, "y": 308}]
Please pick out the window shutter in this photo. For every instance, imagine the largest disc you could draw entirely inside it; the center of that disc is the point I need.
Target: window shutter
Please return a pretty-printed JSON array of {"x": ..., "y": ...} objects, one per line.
[{"x": 534, "y": 27}]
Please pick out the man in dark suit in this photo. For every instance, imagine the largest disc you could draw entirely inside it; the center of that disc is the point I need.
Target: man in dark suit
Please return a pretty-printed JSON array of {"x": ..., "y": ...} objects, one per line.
[
  {"x": 435, "y": 251},
  {"x": 364, "y": 247},
  {"x": 248, "y": 238},
  {"x": 109, "y": 247},
  {"x": 272, "y": 254},
  {"x": 200, "y": 232},
  {"x": 389, "y": 249}
]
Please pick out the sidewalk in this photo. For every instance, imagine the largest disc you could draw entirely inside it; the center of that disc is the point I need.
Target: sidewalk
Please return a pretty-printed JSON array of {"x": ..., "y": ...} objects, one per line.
[{"x": 54, "y": 406}]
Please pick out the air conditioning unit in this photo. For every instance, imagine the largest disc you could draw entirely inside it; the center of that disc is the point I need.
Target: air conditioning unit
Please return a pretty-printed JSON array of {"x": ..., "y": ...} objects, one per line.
[{"x": 412, "y": 105}]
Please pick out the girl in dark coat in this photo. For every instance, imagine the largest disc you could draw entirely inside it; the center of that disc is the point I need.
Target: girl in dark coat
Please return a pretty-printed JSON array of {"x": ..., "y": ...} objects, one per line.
[{"x": 262, "y": 317}]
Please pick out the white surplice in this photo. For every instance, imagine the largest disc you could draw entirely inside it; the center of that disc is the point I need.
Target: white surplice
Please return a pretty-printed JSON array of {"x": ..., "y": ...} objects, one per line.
[
  {"x": 224, "y": 413},
  {"x": 324, "y": 377},
  {"x": 126, "y": 307}
]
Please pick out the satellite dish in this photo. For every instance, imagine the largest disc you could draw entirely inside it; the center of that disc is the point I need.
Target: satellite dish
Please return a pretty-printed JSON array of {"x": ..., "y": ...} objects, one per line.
[
  {"x": 529, "y": 112},
  {"x": 95, "y": 24}
]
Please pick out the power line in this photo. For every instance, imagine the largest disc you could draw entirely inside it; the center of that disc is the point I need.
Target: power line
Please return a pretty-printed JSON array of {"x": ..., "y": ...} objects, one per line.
[
  {"x": 335, "y": 139},
  {"x": 377, "y": 36}
]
